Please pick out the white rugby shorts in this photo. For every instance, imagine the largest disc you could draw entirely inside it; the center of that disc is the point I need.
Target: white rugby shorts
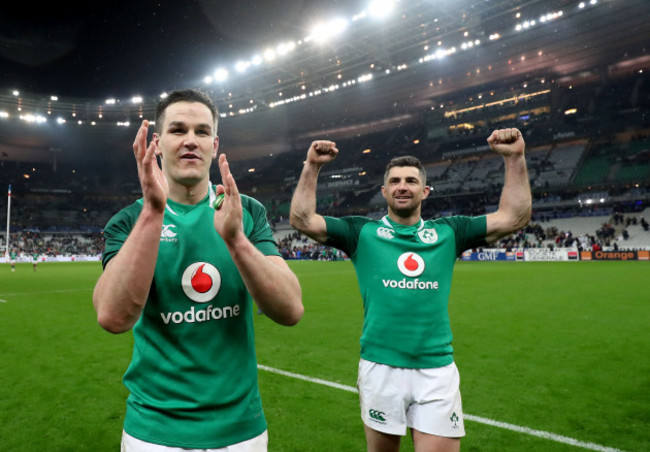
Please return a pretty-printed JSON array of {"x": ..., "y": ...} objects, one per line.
[
  {"x": 427, "y": 400},
  {"x": 257, "y": 444}
]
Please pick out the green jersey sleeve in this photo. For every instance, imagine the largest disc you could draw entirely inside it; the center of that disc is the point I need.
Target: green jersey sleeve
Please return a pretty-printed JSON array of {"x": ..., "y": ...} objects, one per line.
[
  {"x": 118, "y": 229},
  {"x": 470, "y": 231},
  {"x": 259, "y": 232},
  {"x": 343, "y": 233}
]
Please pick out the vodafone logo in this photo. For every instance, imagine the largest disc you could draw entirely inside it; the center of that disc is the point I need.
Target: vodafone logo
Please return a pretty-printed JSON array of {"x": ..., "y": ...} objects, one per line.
[
  {"x": 201, "y": 282},
  {"x": 410, "y": 264}
]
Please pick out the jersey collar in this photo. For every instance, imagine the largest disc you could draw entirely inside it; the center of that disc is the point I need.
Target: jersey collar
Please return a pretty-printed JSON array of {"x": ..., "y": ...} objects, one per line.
[
  {"x": 211, "y": 193},
  {"x": 391, "y": 224}
]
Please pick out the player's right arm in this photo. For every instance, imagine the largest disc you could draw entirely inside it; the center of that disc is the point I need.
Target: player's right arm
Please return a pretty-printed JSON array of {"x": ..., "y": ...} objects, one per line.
[
  {"x": 303, "y": 216},
  {"x": 122, "y": 290}
]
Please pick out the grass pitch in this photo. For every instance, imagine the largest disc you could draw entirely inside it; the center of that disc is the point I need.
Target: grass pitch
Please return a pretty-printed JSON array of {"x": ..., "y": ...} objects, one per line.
[{"x": 561, "y": 348}]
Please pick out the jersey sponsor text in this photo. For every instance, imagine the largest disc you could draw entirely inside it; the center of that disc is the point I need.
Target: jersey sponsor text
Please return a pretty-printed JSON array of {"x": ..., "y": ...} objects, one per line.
[
  {"x": 203, "y": 315},
  {"x": 414, "y": 284}
]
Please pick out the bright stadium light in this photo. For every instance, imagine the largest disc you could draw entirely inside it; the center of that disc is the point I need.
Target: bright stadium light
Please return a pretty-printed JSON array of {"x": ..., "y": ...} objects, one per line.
[
  {"x": 269, "y": 55},
  {"x": 381, "y": 8},
  {"x": 323, "y": 31},
  {"x": 319, "y": 33},
  {"x": 338, "y": 25},
  {"x": 285, "y": 48},
  {"x": 361, "y": 15},
  {"x": 34, "y": 119},
  {"x": 364, "y": 78},
  {"x": 441, "y": 53},
  {"x": 241, "y": 66},
  {"x": 221, "y": 75}
]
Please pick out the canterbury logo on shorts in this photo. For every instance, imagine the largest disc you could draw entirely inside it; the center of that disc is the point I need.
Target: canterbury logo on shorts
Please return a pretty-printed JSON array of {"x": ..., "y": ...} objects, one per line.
[{"x": 377, "y": 415}]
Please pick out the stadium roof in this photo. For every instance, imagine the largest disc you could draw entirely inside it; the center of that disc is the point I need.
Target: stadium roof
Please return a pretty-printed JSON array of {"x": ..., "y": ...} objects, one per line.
[{"x": 277, "y": 82}]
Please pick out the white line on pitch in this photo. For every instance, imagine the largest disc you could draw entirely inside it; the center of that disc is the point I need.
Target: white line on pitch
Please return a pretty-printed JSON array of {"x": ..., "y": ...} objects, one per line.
[
  {"x": 3, "y": 301},
  {"x": 469, "y": 417},
  {"x": 309, "y": 379},
  {"x": 46, "y": 292}
]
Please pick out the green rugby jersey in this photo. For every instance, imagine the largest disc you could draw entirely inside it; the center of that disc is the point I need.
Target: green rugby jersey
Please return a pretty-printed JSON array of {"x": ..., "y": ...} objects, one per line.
[
  {"x": 193, "y": 374},
  {"x": 404, "y": 275}
]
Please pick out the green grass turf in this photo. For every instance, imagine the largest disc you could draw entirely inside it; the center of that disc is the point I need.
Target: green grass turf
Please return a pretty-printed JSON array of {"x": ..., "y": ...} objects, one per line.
[{"x": 558, "y": 347}]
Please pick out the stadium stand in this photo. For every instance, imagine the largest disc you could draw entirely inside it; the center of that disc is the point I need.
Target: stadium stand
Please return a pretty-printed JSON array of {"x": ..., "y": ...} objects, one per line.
[{"x": 573, "y": 165}]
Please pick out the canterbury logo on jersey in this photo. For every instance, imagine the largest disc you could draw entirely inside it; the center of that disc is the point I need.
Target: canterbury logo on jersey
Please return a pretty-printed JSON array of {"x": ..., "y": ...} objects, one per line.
[
  {"x": 201, "y": 282},
  {"x": 410, "y": 264},
  {"x": 386, "y": 233},
  {"x": 167, "y": 234}
]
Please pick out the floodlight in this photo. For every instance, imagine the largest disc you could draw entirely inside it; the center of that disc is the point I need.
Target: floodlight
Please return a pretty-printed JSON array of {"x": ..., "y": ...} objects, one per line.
[
  {"x": 381, "y": 8},
  {"x": 220, "y": 75},
  {"x": 338, "y": 25},
  {"x": 241, "y": 66},
  {"x": 319, "y": 33},
  {"x": 286, "y": 47}
]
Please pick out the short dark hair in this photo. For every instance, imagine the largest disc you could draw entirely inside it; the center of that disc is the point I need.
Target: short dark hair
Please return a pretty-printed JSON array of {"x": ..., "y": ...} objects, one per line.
[
  {"x": 185, "y": 95},
  {"x": 406, "y": 160}
]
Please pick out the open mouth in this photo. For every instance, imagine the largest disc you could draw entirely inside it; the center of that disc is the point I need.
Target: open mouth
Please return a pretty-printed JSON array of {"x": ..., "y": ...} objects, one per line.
[{"x": 190, "y": 156}]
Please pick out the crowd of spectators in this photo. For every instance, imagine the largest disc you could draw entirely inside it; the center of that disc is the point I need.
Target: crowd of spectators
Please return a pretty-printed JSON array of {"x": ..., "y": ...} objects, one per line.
[
  {"x": 631, "y": 220},
  {"x": 54, "y": 245},
  {"x": 534, "y": 235},
  {"x": 297, "y": 246}
]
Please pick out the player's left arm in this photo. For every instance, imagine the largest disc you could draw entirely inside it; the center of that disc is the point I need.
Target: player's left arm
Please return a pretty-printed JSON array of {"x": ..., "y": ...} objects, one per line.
[
  {"x": 270, "y": 281},
  {"x": 516, "y": 201}
]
